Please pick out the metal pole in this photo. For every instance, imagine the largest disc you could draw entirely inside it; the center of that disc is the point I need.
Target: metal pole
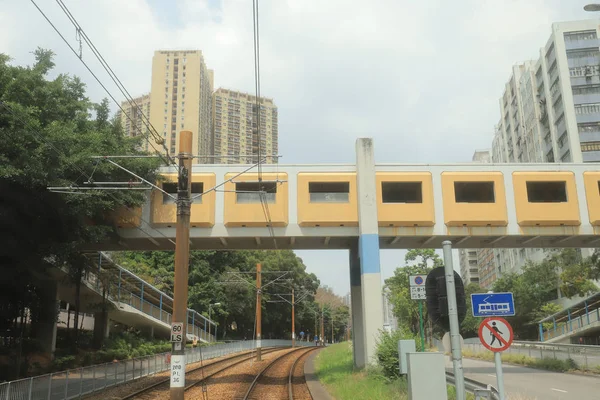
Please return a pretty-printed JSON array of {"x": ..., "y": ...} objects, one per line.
[
  {"x": 293, "y": 321},
  {"x": 182, "y": 258},
  {"x": 332, "y": 330},
  {"x": 454, "y": 327},
  {"x": 499, "y": 376},
  {"x": 209, "y": 319},
  {"x": 421, "y": 326},
  {"x": 258, "y": 312}
]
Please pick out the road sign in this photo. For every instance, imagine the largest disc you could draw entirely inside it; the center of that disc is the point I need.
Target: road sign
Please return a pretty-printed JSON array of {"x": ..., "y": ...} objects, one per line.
[
  {"x": 492, "y": 304},
  {"x": 418, "y": 293},
  {"x": 417, "y": 287},
  {"x": 495, "y": 334},
  {"x": 417, "y": 280},
  {"x": 177, "y": 332}
]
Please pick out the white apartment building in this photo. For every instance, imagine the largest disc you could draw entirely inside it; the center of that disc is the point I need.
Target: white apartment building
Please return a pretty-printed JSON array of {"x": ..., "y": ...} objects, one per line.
[{"x": 550, "y": 112}]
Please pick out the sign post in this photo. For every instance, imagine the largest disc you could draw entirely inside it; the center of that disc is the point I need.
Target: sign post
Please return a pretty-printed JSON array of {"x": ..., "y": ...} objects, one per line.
[
  {"x": 417, "y": 292},
  {"x": 496, "y": 335},
  {"x": 459, "y": 377}
]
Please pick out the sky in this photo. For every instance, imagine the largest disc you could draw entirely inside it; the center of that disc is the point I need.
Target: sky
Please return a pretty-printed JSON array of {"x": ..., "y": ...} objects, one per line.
[{"x": 423, "y": 78}]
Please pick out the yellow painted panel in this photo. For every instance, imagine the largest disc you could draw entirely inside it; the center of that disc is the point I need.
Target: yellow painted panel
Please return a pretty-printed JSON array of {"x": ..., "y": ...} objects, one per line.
[
  {"x": 592, "y": 194},
  {"x": 323, "y": 213},
  {"x": 545, "y": 214},
  {"x": 128, "y": 217},
  {"x": 406, "y": 214},
  {"x": 253, "y": 214},
  {"x": 474, "y": 214},
  {"x": 202, "y": 213}
]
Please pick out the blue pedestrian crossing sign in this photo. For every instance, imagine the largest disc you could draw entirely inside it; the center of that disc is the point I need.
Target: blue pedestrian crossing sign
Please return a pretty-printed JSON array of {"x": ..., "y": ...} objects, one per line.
[{"x": 492, "y": 304}]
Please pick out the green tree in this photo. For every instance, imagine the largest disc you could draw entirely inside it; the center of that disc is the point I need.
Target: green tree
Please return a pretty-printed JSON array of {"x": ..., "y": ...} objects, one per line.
[{"x": 48, "y": 138}]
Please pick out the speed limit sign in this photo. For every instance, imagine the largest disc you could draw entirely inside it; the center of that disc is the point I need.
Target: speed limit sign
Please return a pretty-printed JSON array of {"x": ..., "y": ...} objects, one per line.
[{"x": 177, "y": 332}]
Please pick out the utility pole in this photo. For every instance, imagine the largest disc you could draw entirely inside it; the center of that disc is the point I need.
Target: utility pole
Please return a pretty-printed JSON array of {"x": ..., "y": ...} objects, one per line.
[
  {"x": 258, "y": 312},
  {"x": 322, "y": 328},
  {"x": 331, "y": 329},
  {"x": 182, "y": 258},
  {"x": 293, "y": 321}
]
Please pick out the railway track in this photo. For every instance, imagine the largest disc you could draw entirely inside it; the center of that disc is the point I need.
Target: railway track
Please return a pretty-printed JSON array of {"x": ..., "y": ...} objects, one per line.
[
  {"x": 196, "y": 375},
  {"x": 277, "y": 376}
]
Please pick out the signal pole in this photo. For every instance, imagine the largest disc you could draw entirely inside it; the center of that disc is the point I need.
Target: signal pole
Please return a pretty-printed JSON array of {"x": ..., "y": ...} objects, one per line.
[
  {"x": 182, "y": 258},
  {"x": 293, "y": 321},
  {"x": 258, "y": 313}
]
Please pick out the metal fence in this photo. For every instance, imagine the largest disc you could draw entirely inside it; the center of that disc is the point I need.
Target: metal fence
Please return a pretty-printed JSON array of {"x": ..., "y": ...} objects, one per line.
[
  {"x": 77, "y": 382},
  {"x": 585, "y": 356}
]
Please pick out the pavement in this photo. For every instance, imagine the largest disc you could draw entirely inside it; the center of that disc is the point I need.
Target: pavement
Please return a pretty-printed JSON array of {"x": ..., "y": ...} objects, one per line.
[
  {"x": 522, "y": 383},
  {"x": 317, "y": 391}
]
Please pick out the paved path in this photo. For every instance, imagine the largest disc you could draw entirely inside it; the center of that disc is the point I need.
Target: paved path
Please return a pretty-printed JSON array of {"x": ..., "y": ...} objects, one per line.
[{"x": 523, "y": 383}]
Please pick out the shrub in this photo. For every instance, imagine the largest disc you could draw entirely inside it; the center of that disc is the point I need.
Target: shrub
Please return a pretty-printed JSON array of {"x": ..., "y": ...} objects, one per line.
[{"x": 387, "y": 350}]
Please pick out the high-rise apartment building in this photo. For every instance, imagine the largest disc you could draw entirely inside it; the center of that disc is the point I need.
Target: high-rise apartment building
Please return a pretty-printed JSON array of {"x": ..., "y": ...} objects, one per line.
[
  {"x": 468, "y": 265},
  {"x": 181, "y": 99},
  {"x": 234, "y": 124},
  {"x": 550, "y": 112},
  {"x": 134, "y": 121}
]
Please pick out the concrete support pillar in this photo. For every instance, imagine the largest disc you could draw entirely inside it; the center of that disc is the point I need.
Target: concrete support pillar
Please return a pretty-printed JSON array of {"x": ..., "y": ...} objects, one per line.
[
  {"x": 368, "y": 246},
  {"x": 45, "y": 331},
  {"x": 358, "y": 337}
]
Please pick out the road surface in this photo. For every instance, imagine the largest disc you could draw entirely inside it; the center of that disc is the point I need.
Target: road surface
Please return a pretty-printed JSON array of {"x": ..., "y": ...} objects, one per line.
[{"x": 521, "y": 383}]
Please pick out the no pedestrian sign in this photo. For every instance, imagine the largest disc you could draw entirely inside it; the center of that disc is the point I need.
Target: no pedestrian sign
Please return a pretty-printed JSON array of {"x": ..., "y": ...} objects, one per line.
[{"x": 495, "y": 334}]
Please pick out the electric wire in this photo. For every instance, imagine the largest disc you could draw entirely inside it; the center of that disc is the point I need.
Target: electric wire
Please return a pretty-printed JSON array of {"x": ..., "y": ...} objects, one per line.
[
  {"x": 81, "y": 34},
  {"x": 96, "y": 77}
]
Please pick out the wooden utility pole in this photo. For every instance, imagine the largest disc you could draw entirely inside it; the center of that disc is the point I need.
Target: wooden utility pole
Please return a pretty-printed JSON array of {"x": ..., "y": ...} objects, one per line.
[
  {"x": 258, "y": 312},
  {"x": 322, "y": 328},
  {"x": 182, "y": 258},
  {"x": 293, "y": 321}
]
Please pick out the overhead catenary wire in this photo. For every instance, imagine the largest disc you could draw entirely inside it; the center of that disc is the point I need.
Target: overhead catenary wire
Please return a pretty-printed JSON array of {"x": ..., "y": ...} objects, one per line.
[
  {"x": 70, "y": 163},
  {"x": 167, "y": 160},
  {"x": 145, "y": 120}
]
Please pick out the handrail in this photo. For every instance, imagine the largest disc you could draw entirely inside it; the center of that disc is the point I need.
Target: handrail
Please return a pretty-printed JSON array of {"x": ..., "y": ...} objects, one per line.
[{"x": 471, "y": 385}]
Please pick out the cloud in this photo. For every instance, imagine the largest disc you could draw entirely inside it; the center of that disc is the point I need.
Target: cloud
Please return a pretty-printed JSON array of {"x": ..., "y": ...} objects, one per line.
[{"x": 422, "y": 78}]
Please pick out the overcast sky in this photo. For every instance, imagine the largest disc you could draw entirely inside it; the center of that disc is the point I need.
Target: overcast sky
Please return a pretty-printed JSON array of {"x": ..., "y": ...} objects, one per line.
[{"x": 423, "y": 78}]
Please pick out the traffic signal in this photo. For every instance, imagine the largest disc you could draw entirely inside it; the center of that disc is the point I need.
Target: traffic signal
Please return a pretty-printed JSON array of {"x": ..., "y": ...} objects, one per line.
[{"x": 437, "y": 298}]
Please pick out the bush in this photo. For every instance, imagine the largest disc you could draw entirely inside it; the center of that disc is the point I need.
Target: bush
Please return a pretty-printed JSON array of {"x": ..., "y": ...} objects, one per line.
[
  {"x": 387, "y": 351},
  {"x": 62, "y": 363}
]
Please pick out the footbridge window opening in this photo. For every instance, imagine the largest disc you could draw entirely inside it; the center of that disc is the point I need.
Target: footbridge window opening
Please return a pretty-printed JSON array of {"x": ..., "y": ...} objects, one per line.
[
  {"x": 474, "y": 192},
  {"x": 547, "y": 192},
  {"x": 171, "y": 188},
  {"x": 251, "y": 192},
  {"x": 329, "y": 192},
  {"x": 402, "y": 192}
]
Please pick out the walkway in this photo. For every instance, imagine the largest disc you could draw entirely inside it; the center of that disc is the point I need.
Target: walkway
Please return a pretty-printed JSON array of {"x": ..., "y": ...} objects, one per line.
[{"x": 577, "y": 324}]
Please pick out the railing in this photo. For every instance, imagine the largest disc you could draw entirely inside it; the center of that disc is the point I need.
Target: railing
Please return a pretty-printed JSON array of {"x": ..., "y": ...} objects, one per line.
[
  {"x": 565, "y": 327},
  {"x": 118, "y": 292},
  {"x": 587, "y": 357},
  {"x": 77, "y": 382}
]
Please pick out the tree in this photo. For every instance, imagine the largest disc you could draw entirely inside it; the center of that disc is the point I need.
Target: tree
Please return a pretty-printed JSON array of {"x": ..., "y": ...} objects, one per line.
[{"x": 48, "y": 138}]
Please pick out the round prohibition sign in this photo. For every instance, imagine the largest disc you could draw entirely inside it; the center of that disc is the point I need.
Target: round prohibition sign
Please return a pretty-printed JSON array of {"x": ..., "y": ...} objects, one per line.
[
  {"x": 496, "y": 334},
  {"x": 419, "y": 280}
]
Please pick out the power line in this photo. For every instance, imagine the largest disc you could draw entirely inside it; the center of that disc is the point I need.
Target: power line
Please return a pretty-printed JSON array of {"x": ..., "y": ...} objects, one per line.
[
  {"x": 168, "y": 160},
  {"x": 113, "y": 76},
  {"x": 76, "y": 167}
]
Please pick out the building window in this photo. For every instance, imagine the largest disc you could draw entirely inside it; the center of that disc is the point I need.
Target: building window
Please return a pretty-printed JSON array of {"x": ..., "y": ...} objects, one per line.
[
  {"x": 252, "y": 192},
  {"x": 590, "y": 146},
  {"x": 401, "y": 192},
  {"x": 474, "y": 192},
  {"x": 329, "y": 192},
  {"x": 547, "y": 192}
]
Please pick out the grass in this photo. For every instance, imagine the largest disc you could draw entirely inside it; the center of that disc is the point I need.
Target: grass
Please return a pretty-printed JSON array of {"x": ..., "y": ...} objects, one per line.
[
  {"x": 549, "y": 364},
  {"x": 334, "y": 368}
]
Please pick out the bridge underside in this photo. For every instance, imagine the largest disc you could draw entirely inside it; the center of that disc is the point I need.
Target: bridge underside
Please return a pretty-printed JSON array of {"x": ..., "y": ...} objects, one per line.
[{"x": 312, "y": 239}]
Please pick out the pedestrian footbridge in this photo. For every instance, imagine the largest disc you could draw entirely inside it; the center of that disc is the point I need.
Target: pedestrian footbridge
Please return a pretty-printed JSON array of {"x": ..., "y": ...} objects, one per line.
[{"x": 576, "y": 324}]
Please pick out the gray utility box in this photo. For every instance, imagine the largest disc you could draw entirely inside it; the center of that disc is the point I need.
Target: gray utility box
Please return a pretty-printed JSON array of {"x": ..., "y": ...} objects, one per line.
[
  {"x": 426, "y": 376},
  {"x": 405, "y": 346}
]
